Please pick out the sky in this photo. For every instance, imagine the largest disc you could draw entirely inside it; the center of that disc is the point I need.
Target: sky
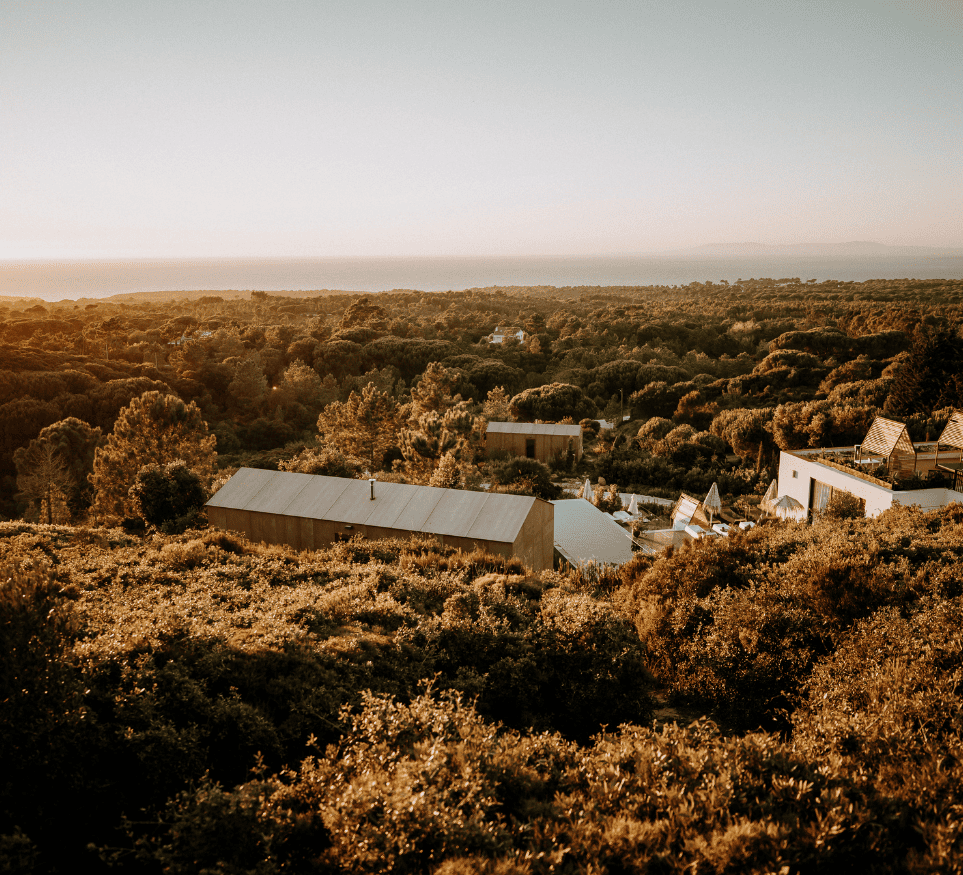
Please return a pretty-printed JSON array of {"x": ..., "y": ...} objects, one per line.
[{"x": 308, "y": 128}]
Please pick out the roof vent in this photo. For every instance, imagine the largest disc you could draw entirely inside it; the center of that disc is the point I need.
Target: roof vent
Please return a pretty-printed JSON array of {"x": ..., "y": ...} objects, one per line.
[{"x": 372, "y": 482}]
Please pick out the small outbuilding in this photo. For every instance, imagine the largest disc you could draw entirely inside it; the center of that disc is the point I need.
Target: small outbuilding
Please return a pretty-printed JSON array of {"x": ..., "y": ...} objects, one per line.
[
  {"x": 586, "y": 535},
  {"x": 309, "y": 512},
  {"x": 542, "y": 441}
]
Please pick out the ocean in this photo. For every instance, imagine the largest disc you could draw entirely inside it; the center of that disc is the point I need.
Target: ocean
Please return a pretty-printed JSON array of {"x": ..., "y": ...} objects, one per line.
[{"x": 71, "y": 280}]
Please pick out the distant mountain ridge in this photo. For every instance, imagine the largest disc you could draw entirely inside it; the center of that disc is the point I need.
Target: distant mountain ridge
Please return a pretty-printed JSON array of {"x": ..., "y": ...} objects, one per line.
[{"x": 850, "y": 249}]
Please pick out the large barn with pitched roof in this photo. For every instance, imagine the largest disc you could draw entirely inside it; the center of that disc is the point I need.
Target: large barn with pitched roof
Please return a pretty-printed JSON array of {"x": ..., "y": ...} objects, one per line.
[{"x": 308, "y": 512}]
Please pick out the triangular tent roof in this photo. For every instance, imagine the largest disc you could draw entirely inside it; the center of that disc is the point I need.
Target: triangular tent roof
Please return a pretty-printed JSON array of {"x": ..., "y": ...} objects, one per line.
[
  {"x": 952, "y": 435},
  {"x": 634, "y": 505},
  {"x": 712, "y": 501},
  {"x": 587, "y": 490},
  {"x": 886, "y": 436}
]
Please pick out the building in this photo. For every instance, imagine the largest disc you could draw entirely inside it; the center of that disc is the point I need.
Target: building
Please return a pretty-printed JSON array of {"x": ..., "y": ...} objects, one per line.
[
  {"x": 585, "y": 535},
  {"x": 499, "y": 335},
  {"x": 309, "y": 512},
  {"x": 541, "y": 441},
  {"x": 887, "y": 468}
]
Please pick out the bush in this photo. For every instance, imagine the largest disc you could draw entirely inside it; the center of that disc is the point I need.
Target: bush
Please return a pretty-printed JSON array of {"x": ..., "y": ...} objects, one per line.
[{"x": 170, "y": 498}]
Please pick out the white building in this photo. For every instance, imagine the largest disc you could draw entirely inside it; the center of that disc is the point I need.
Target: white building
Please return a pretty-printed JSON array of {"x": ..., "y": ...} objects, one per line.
[
  {"x": 499, "y": 335},
  {"x": 878, "y": 469}
]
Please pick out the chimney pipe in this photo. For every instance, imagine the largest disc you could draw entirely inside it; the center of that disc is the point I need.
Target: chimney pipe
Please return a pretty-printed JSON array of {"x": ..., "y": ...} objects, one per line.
[{"x": 372, "y": 482}]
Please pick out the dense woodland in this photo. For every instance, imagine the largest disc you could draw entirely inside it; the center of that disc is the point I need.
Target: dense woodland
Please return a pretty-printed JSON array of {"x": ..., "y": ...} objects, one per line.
[{"x": 176, "y": 699}]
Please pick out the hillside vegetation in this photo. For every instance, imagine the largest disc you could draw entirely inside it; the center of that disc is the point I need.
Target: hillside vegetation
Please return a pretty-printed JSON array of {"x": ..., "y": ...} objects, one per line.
[{"x": 175, "y": 698}]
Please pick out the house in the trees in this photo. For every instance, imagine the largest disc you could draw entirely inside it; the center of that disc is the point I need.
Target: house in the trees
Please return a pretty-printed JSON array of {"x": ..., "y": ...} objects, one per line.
[
  {"x": 541, "y": 441},
  {"x": 887, "y": 468},
  {"x": 500, "y": 334},
  {"x": 309, "y": 512}
]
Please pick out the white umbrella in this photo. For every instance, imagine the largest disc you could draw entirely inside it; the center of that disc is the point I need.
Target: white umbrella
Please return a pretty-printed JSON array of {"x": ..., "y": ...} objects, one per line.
[
  {"x": 587, "y": 491},
  {"x": 787, "y": 507},
  {"x": 712, "y": 503},
  {"x": 634, "y": 505}
]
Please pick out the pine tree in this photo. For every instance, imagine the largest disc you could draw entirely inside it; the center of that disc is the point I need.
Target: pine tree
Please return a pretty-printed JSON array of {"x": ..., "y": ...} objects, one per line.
[
  {"x": 365, "y": 425},
  {"x": 152, "y": 429},
  {"x": 926, "y": 379}
]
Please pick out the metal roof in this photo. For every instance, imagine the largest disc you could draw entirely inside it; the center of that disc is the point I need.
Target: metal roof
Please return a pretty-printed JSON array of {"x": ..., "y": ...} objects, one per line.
[
  {"x": 549, "y": 428},
  {"x": 482, "y": 516},
  {"x": 885, "y": 436},
  {"x": 953, "y": 433},
  {"x": 584, "y": 534}
]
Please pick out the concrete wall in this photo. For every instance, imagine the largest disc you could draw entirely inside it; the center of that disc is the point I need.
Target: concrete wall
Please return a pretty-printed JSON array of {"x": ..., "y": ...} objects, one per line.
[{"x": 796, "y": 474}]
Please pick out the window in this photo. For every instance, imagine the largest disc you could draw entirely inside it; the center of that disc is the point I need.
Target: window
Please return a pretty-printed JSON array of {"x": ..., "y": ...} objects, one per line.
[
  {"x": 795, "y": 474},
  {"x": 530, "y": 448}
]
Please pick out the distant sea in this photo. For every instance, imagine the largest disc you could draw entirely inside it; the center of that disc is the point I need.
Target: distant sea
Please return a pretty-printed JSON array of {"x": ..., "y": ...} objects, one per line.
[{"x": 60, "y": 280}]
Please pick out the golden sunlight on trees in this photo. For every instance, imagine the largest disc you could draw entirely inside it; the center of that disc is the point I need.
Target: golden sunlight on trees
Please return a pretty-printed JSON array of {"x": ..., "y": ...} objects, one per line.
[
  {"x": 153, "y": 429},
  {"x": 365, "y": 425}
]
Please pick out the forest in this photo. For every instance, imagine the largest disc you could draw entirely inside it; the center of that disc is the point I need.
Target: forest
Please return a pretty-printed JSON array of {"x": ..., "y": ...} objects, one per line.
[{"x": 176, "y": 698}]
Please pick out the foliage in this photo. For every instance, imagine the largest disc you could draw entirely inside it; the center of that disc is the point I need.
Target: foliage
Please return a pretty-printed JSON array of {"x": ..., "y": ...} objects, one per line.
[
  {"x": 363, "y": 426},
  {"x": 169, "y": 497},
  {"x": 552, "y": 403},
  {"x": 523, "y": 475},
  {"x": 153, "y": 429}
]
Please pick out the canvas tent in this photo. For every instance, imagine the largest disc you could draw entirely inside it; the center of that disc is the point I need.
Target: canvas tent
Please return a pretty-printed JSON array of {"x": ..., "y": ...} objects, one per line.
[{"x": 308, "y": 512}]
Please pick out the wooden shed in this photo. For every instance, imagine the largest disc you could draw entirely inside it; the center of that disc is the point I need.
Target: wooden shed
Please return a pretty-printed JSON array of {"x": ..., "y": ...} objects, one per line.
[
  {"x": 540, "y": 441},
  {"x": 308, "y": 512}
]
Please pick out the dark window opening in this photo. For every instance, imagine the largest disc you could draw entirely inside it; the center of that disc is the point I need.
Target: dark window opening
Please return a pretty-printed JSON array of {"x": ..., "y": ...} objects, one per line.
[{"x": 530, "y": 448}]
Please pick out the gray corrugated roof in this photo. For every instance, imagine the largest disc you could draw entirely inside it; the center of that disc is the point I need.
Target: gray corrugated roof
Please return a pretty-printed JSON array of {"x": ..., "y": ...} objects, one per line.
[
  {"x": 238, "y": 491},
  {"x": 483, "y": 516},
  {"x": 550, "y": 428},
  {"x": 584, "y": 534}
]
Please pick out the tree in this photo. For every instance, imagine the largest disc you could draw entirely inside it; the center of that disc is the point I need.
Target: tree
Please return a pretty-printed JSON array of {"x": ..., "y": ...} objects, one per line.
[
  {"x": 926, "y": 379},
  {"x": 44, "y": 481},
  {"x": 153, "y": 428},
  {"x": 168, "y": 497},
  {"x": 71, "y": 443},
  {"x": 432, "y": 435},
  {"x": 525, "y": 476},
  {"x": 552, "y": 402},
  {"x": 249, "y": 387},
  {"x": 323, "y": 460},
  {"x": 447, "y": 475},
  {"x": 433, "y": 391},
  {"x": 497, "y": 406},
  {"x": 365, "y": 425}
]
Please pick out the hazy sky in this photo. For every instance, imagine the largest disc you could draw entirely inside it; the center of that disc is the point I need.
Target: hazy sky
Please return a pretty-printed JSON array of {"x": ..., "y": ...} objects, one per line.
[{"x": 169, "y": 128}]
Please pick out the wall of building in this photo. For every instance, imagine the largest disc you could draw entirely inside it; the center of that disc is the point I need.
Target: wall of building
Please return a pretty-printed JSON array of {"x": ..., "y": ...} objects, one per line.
[
  {"x": 877, "y": 498},
  {"x": 546, "y": 445},
  {"x": 533, "y": 545}
]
